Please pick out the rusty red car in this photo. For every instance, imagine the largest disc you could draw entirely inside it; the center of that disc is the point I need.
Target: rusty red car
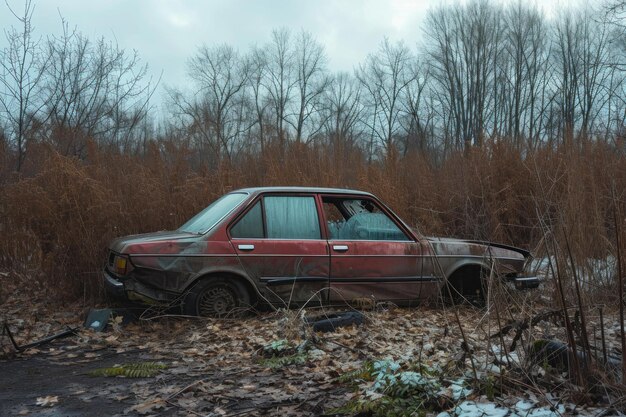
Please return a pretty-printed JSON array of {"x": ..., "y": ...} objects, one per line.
[{"x": 288, "y": 246}]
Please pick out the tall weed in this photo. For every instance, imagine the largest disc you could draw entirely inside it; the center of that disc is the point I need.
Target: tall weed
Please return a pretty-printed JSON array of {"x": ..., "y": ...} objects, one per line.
[{"x": 59, "y": 216}]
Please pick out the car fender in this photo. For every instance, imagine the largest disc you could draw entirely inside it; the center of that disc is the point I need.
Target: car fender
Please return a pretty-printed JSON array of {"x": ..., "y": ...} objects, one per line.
[
  {"x": 222, "y": 271},
  {"x": 452, "y": 268}
]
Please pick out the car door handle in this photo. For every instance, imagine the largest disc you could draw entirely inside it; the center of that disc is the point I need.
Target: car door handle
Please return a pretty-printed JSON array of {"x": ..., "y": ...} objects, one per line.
[
  {"x": 246, "y": 247},
  {"x": 340, "y": 248}
]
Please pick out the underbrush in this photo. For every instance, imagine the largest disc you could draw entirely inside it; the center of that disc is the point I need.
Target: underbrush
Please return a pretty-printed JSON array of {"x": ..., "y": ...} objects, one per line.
[
  {"x": 513, "y": 357},
  {"x": 388, "y": 388},
  {"x": 59, "y": 216}
]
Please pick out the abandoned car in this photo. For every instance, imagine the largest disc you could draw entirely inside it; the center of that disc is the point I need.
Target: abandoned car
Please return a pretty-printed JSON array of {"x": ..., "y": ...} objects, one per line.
[{"x": 288, "y": 246}]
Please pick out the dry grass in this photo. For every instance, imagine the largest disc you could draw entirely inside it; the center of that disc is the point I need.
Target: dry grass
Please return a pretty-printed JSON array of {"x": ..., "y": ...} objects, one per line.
[{"x": 59, "y": 217}]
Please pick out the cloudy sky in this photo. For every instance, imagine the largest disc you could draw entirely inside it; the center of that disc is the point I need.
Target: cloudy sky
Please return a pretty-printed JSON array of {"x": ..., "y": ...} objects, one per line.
[{"x": 167, "y": 32}]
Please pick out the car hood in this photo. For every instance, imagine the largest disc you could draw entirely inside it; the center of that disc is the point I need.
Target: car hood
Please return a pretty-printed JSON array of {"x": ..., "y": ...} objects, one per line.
[
  {"x": 157, "y": 242},
  {"x": 449, "y": 246}
]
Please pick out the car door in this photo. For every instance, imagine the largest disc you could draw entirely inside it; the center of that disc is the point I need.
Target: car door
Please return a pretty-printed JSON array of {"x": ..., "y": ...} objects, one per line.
[
  {"x": 279, "y": 242},
  {"x": 372, "y": 255}
]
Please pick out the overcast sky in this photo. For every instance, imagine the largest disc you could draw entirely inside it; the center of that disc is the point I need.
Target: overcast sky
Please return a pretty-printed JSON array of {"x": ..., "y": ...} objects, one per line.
[{"x": 167, "y": 32}]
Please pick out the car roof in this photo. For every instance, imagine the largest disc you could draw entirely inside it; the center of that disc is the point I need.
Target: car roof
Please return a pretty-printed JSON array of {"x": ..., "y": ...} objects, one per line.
[{"x": 318, "y": 190}]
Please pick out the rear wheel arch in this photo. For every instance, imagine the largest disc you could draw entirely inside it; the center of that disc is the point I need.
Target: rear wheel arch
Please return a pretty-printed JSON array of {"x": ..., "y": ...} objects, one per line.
[{"x": 466, "y": 282}]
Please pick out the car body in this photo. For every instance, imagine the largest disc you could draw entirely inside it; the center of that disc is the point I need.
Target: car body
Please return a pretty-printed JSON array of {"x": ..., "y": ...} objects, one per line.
[{"x": 288, "y": 246}]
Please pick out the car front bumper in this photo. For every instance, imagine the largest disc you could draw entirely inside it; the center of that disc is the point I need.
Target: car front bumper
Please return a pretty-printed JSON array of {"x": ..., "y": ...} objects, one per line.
[
  {"x": 523, "y": 283},
  {"x": 132, "y": 289},
  {"x": 114, "y": 286}
]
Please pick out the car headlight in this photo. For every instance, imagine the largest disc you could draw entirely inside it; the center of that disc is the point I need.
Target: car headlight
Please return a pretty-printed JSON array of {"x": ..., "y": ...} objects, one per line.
[{"x": 121, "y": 265}]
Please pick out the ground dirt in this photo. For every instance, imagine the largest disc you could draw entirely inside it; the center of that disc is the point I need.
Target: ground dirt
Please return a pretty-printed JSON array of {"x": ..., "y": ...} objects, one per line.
[{"x": 252, "y": 365}]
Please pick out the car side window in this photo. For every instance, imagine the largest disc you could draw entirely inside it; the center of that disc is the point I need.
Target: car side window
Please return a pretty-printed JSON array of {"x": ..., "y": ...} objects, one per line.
[
  {"x": 249, "y": 226},
  {"x": 359, "y": 219},
  {"x": 334, "y": 219},
  {"x": 291, "y": 217}
]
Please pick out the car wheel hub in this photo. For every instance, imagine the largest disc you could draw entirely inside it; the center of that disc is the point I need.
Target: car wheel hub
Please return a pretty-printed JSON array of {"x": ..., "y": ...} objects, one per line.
[{"x": 216, "y": 301}]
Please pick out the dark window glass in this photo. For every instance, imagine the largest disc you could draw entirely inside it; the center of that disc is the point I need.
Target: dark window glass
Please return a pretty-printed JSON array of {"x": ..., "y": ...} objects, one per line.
[{"x": 249, "y": 226}]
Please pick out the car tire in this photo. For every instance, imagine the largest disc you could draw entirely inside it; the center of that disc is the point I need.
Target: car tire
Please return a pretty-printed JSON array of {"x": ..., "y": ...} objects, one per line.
[
  {"x": 334, "y": 321},
  {"x": 216, "y": 297}
]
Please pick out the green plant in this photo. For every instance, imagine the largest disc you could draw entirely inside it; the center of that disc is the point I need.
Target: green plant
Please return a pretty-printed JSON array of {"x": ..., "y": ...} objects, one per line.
[
  {"x": 389, "y": 388},
  {"x": 131, "y": 370},
  {"x": 276, "y": 362},
  {"x": 280, "y": 353}
]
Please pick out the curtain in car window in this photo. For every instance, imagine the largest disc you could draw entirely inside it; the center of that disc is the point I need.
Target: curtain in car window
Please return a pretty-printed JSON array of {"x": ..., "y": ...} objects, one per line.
[{"x": 291, "y": 217}]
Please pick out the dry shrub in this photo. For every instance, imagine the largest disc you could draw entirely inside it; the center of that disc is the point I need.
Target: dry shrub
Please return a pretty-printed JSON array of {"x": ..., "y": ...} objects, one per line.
[
  {"x": 60, "y": 216},
  {"x": 69, "y": 213},
  {"x": 61, "y": 219}
]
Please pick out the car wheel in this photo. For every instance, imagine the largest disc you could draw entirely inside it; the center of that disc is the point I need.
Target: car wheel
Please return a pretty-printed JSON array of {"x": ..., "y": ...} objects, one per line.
[{"x": 216, "y": 297}]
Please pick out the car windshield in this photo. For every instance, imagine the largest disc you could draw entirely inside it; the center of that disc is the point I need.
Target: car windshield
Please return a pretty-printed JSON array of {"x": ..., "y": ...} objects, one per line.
[{"x": 210, "y": 216}]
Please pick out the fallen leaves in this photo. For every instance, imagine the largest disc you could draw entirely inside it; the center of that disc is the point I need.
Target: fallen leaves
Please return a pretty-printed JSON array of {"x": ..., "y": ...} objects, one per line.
[
  {"x": 220, "y": 367},
  {"x": 147, "y": 407},
  {"x": 47, "y": 401}
]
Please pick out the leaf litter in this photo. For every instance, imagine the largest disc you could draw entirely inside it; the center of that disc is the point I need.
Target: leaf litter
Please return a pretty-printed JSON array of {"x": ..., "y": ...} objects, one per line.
[{"x": 272, "y": 364}]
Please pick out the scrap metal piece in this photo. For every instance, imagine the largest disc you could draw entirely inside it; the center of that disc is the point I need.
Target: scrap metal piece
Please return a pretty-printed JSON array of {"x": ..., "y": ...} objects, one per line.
[
  {"x": 97, "y": 320},
  {"x": 68, "y": 332}
]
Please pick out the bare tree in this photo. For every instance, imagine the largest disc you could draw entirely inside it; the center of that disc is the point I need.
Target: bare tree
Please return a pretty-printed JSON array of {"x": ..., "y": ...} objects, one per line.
[
  {"x": 463, "y": 54},
  {"x": 526, "y": 68},
  {"x": 312, "y": 80},
  {"x": 615, "y": 16},
  {"x": 416, "y": 116},
  {"x": 94, "y": 90},
  {"x": 23, "y": 65},
  {"x": 215, "y": 110},
  {"x": 584, "y": 71},
  {"x": 258, "y": 65},
  {"x": 384, "y": 78},
  {"x": 342, "y": 108},
  {"x": 280, "y": 79}
]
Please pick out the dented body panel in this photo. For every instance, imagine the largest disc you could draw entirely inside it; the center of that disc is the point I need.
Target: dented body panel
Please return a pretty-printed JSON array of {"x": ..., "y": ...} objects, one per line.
[
  {"x": 391, "y": 271},
  {"x": 287, "y": 271},
  {"x": 381, "y": 260}
]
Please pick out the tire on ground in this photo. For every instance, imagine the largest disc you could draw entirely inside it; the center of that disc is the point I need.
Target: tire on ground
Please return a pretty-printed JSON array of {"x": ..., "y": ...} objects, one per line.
[
  {"x": 334, "y": 321},
  {"x": 216, "y": 297}
]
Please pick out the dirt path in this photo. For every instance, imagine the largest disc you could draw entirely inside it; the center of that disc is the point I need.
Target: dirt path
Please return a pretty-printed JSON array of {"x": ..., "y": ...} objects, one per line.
[
  {"x": 24, "y": 380},
  {"x": 203, "y": 375}
]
